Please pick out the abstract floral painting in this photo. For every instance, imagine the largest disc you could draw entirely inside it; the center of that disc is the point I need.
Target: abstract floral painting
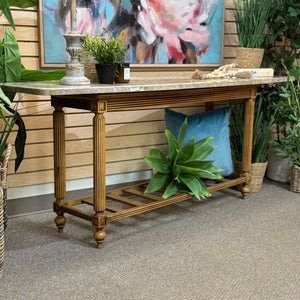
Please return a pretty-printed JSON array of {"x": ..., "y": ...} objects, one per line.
[{"x": 156, "y": 31}]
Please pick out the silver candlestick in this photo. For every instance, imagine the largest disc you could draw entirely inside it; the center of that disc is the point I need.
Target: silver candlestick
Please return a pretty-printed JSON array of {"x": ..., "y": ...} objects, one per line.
[{"x": 74, "y": 69}]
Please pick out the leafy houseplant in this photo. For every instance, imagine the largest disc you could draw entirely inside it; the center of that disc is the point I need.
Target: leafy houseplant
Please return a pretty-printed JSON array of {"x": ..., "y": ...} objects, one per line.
[
  {"x": 183, "y": 169},
  {"x": 251, "y": 18},
  {"x": 263, "y": 120},
  {"x": 283, "y": 33},
  {"x": 289, "y": 144},
  {"x": 108, "y": 52}
]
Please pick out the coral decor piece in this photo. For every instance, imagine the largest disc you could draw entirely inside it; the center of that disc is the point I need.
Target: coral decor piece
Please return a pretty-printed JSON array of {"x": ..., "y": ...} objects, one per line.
[{"x": 222, "y": 72}]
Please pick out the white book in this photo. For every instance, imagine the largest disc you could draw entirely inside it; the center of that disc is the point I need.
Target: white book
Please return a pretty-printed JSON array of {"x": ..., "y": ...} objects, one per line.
[{"x": 260, "y": 72}]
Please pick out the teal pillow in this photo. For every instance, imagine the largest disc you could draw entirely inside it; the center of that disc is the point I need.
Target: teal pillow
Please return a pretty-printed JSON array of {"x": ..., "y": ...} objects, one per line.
[{"x": 210, "y": 123}]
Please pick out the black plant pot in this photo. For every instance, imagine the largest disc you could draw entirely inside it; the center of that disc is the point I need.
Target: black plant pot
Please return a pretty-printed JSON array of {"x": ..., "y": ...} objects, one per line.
[{"x": 106, "y": 73}]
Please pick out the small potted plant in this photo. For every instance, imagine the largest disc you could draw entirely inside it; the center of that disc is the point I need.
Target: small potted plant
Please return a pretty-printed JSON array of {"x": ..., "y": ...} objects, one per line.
[
  {"x": 108, "y": 52},
  {"x": 290, "y": 147},
  {"x": 251, "y": 17}
]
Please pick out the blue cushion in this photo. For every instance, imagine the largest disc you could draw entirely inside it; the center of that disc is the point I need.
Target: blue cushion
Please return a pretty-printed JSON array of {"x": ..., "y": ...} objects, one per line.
[{"x": 211, "y": 123}]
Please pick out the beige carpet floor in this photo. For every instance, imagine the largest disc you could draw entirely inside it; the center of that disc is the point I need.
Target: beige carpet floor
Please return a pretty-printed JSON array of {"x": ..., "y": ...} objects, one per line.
[{"x": 222, "y": 248}]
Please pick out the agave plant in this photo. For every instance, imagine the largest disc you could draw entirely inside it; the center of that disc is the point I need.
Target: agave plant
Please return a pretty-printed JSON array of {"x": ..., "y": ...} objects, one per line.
[{"x": 183, "y": 169}]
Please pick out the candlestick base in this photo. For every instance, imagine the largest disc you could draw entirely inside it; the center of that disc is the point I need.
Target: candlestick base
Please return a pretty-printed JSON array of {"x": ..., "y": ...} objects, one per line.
[
  {"x": 75, "y": 75},
  {"x": 74, "y": 69}
]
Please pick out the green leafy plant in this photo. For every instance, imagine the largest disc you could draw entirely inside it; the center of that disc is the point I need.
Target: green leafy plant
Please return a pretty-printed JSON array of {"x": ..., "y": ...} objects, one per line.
[
  {"x": 289, "y": 146},
  {"x": 251, "y": 17},
  {"x": 106, "y": 50},
  {"x": 183, "y": 169},
  {"x": 263, "y": 120},
  {"x": 282, "y": 43},
  {"x": 11, "y": 70}
]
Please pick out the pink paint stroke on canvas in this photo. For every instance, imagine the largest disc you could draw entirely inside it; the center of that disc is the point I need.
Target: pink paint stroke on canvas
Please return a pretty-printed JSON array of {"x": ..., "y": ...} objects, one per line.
[{"x": 175, "y": 21}]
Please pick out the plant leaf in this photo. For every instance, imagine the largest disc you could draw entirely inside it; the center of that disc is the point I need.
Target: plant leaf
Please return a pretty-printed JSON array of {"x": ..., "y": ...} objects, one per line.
[
  {"x": 4, "y": 98},
  {"x": 182, "y": 132},
  {"x": 160, "y": 164},
  {"x": 157, "y": 181},
  {"x": 171, "y": 189},
  {"x": 10, "y": 67},
  {"x": 193, "y": 184},
  {"x": 4, "y": 6},
  {"x": 23, "y": 3},
  {"x": 156, "y": 153},
  {"x": 38, "y": 75},
  {"x": 20, "y": 138},
  {"x": 173, "y": 144}
]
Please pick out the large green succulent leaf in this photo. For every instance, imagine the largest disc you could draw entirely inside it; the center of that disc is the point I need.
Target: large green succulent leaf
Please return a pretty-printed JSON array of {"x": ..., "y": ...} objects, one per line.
[
  {"x": 156, "y": 153},
  {"x": 173, "y": 144},
  {"x": 10, "y": 67},
  {"x": 182, "y": 132},
  {"x": 202, "y": 149},
  {"x": 199, "y": 172},
  {"x": 162, "y": 165},
  {"x": 206, "y": 165},
  {"x": 193, "y": 184},
  {"x": 187, "y": 151},
  {"x": 157, "y": 181},
  {"x": 205, "y": 192},
  {"x": 171, "y": 189}
]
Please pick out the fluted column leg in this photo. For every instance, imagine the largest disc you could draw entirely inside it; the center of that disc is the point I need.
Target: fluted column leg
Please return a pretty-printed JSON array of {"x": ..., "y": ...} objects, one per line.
[
  {"x": 99, "y": 219},
  {"x": 59, "y": 165},
  {"x": 247, "y": 142}
]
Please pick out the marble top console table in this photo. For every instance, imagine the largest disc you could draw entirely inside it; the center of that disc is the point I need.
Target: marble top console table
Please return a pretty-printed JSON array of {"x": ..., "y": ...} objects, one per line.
[{"x": 138, "y": 94}]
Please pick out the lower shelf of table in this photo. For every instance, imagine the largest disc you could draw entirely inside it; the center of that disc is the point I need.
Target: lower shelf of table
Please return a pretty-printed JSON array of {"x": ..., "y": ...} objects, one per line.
[{"x": 131, "y": 200}]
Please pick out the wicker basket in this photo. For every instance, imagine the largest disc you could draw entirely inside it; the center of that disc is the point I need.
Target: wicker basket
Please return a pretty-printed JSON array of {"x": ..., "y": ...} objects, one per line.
[
  {"x": 249, "y": 57},
  {"x": 295, "y": 179},
  {"x": 1, "y": 233},
  {"x": 3, "y": 181},
  {"x": 90, "y": 70},
  {"x": 257, "y": 173}
]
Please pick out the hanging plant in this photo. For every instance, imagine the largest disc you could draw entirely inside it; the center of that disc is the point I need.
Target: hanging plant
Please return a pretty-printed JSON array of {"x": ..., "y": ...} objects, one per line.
[{"x": 184, "y": 168}]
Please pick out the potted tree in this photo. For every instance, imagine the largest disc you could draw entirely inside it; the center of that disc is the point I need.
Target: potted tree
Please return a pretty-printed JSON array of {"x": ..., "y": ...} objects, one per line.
[
  {"x": 251, "y": 18},
  {"x": 108, "y": 52}
]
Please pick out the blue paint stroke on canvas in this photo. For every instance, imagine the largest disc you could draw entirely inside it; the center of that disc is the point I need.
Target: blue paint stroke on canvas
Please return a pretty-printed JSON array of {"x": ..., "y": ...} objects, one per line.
[{"x": 157, "y": 31}]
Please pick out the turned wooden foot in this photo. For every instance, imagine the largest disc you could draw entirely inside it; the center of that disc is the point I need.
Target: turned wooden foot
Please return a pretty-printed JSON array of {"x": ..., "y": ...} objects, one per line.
[
  {"x": 99, "y": 236},
  {"x": 245, "y": 191},
  {"x": 60, "y": 222}
]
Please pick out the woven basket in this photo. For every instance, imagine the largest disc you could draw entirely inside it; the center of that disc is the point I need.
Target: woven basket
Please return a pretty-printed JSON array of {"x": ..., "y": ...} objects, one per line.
[
  {"x": 257, "y": 173},
  {"x": 1, "y": 233},
  {"x": 249, "y": 57},
  {"x": 3, "y": 181},
  {"x": 90, "y": 70},
  {"x": 295, "y": 179}
]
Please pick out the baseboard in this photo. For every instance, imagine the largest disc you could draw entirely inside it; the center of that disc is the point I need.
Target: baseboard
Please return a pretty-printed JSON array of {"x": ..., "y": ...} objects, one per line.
[{"x": 39, "y": 198}]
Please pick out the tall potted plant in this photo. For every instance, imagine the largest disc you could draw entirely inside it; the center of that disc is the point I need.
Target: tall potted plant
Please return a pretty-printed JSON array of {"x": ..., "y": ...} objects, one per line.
[
  {"x": 263, "y": 120},
  {"x": 251, "y": 17},
  {"x": 108, "y": 52}
]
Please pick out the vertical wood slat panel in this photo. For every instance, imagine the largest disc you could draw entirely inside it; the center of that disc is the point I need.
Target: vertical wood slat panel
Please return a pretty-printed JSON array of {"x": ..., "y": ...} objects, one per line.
[{"x": 27, "y": 36}]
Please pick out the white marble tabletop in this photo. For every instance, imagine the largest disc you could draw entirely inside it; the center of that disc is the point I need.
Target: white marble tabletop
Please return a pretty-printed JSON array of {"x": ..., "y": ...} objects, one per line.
[{"x": 136, "y": 85}]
